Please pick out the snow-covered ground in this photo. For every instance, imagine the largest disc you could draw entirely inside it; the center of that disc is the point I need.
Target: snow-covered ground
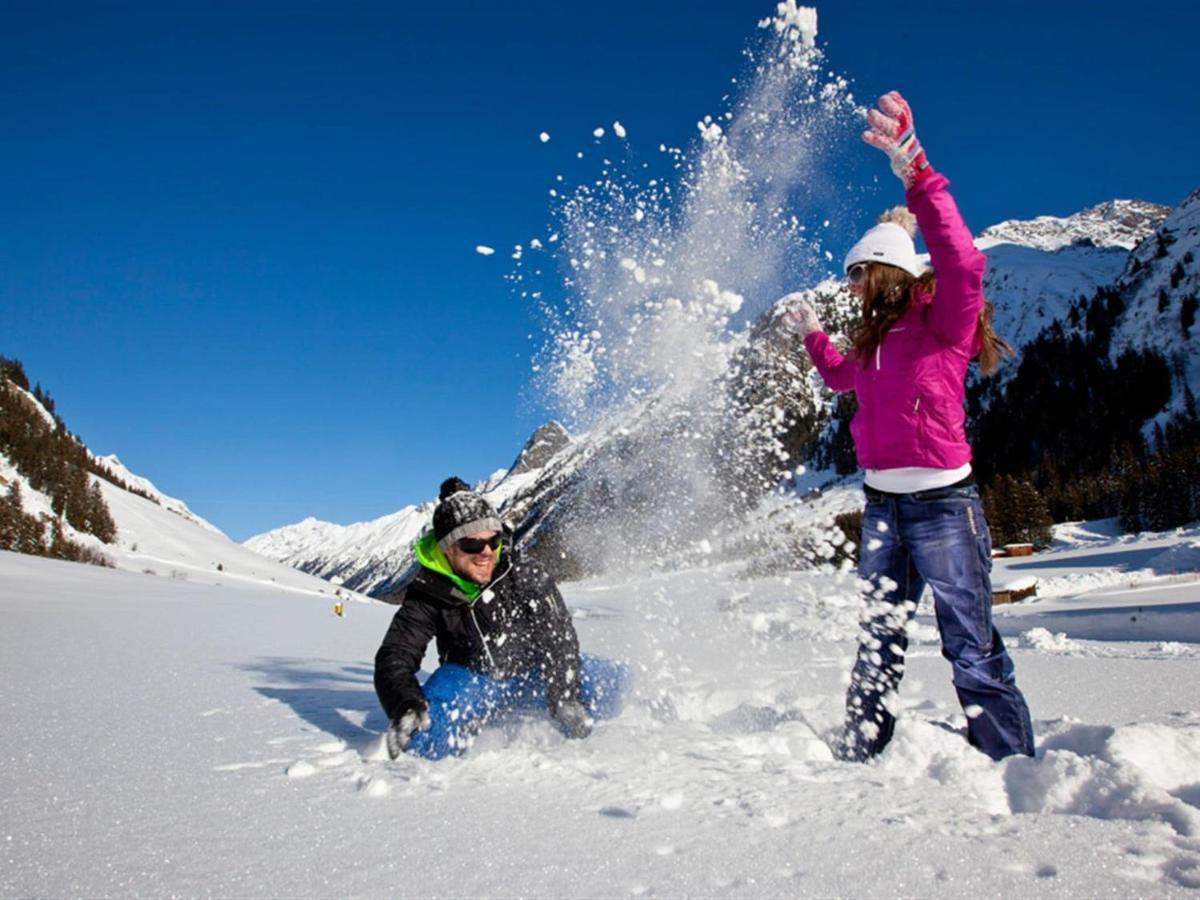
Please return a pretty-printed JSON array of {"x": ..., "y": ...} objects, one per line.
[{"x": 164, "y": 737}]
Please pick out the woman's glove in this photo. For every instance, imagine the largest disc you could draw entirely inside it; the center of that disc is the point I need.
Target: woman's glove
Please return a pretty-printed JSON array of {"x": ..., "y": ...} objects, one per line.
[
  {"x": 802, "y": 320},
  {"x": 403, "y": 727},
  {"x": 891, "y": 130},
  {"x": 573, "y": 718}
]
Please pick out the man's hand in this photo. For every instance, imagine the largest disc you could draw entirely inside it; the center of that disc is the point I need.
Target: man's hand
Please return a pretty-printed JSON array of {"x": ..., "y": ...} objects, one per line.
[
  {"x": 403, "y": 727},
  {"x": 802, "y": 320},
  {"x": 891, "y": 130},
  {"x": 574, "y": 719}
]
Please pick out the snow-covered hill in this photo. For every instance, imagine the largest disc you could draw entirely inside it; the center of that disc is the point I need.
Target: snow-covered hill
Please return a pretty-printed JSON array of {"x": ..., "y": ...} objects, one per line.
[
  {"x": 146, "y": 486},
  {"x": 162, "y": 537},
  {"x": 168, "y": 738}
]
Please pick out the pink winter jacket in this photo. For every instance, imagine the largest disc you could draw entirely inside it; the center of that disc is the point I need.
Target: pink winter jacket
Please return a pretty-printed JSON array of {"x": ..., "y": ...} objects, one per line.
[{"x": 910, "y": 395}]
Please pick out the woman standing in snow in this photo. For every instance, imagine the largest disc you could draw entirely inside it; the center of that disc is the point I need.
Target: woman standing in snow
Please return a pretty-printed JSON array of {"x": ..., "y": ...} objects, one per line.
[{"x": 923, "y": 522}]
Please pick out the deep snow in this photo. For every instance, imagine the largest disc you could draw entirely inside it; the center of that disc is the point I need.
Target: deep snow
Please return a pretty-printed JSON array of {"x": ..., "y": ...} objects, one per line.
[{"x": 166, "y": 737}]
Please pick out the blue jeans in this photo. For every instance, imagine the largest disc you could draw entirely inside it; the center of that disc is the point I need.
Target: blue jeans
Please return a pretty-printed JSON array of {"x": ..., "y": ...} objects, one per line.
[
  {"x": 940, "y": 538},
  {"x": 461, "y": 701}
]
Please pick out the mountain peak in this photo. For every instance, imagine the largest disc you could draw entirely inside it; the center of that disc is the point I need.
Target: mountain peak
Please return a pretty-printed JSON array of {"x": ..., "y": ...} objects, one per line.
[{"x": 1114, "y": 223}]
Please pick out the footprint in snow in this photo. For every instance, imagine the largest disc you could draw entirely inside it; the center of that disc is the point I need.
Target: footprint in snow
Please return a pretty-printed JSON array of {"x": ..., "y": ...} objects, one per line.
[{"x": 618, "y": 812}]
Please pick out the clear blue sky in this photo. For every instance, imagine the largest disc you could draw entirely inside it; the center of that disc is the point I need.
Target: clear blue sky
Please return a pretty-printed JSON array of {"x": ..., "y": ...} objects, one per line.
[{"x": 238, "y": 238}]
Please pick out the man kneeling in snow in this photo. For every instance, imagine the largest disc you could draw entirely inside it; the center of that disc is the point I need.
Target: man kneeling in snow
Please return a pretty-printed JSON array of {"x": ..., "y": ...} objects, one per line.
[{"x": 505, "y": 639}]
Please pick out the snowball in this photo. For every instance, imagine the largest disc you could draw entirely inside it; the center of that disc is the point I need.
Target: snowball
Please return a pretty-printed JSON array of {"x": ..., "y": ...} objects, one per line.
[
  {"x": 598, "y": 133},
  {"x": 543, "y": 137},
  {"x": 484, "y": 250},
  {"x": 618, "y": 129}
]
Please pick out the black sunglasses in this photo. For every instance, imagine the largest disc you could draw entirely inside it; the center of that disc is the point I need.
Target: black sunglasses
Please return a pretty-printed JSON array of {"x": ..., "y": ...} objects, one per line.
[
  {"x": 476, "y": 545},
  {"x": 856, "y": 273}
]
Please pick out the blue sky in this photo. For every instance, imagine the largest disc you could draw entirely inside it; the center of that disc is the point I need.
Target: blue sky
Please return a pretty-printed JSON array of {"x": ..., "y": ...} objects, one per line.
[{"x": 238, "y": 243}]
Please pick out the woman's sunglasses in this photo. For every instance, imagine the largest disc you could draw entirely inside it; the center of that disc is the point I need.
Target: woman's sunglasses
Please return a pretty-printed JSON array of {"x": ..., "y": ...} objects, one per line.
[
  {"x": 856, "y": 273},
  {"x": 476, "y": 545}
]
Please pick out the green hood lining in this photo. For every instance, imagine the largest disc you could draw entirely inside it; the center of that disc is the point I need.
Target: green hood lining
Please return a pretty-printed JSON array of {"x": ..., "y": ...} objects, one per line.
[{"x": 432, "y": 557}]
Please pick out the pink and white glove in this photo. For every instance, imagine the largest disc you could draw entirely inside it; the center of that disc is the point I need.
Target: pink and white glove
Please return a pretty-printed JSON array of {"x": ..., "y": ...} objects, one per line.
[
  {"x": 802, "y": 320},
  {"x": 891, "y": 130}
]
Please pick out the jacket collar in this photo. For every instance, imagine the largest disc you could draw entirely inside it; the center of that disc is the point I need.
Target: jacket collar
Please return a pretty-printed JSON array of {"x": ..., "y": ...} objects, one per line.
[{"x": 436, "y": 577}]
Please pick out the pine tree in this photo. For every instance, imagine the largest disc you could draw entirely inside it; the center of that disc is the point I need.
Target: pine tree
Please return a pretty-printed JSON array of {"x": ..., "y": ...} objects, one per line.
[
  {"x": 100, "y": 520},
  {"x": 1187, "y": 315}
]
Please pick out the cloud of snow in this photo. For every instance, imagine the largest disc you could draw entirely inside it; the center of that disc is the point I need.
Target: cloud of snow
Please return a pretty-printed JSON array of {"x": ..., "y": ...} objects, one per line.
[{"x": 661, "y": 275}]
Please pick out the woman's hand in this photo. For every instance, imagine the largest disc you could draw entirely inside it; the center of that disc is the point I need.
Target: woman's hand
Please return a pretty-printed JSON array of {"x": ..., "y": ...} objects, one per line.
[
  {"x": 802, "y": 320},
  {"x": 891, "y": 130}
]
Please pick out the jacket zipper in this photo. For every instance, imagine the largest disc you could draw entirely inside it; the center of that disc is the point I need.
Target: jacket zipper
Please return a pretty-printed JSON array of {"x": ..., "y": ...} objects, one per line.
[
  {"x": 479, "y": 630},
  {"x": 475, "y": 622}
]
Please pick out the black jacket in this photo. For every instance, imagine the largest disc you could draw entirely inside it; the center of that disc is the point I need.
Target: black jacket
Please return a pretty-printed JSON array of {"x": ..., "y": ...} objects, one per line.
[{"x": 518, "y": 623}]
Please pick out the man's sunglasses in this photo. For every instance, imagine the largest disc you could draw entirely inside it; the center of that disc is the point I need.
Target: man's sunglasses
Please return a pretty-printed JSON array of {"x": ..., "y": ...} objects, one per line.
[
  {"x": 856, "y": 273},
  {"x": 476, "y": 545}
]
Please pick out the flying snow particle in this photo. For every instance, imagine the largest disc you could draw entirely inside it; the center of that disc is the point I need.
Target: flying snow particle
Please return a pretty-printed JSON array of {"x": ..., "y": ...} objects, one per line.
[
  {"x": 618, "y": 129},
  {"x": 543, "y": 137},
  {"x": 484, "y": 250},
  {"x": 598, "y": 133},
  {"x": 709, "y": 130}
]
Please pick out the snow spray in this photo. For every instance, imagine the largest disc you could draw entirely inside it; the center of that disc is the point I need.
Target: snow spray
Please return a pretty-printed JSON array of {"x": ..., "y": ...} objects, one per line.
[{"x": 659, "y": 280}]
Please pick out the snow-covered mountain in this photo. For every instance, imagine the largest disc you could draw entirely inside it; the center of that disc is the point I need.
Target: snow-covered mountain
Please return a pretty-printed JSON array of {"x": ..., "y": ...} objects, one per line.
[
  {"x": 1160, "y": 287},
  {"x": 562, "y": 486},
  {"x": 1038, "y": 268},
  {"x": 373, "y": 556}
]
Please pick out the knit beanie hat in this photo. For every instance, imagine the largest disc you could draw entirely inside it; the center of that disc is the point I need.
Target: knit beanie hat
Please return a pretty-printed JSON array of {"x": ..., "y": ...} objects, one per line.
[
  {"x": 890, "y": 242},
  {"x": 462, "y": 512}
]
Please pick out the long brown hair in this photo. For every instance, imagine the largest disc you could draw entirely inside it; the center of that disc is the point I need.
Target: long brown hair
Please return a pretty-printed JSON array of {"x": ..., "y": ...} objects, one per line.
[{"x": 887, "y": 295}]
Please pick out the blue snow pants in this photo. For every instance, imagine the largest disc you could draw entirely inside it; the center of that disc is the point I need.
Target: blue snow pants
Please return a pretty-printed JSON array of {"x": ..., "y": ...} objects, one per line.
[
  {"x": 461, "y": 701},
  {"x": 940, "y": 538}
]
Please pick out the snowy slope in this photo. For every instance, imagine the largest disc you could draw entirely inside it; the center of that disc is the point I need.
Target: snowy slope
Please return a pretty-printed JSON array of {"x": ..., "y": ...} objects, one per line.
[
  {"x": 236, "y": 751},
  {"x": 157, "y": 541},
  {"x": 172, "y": 504},
  {"x": 165, "y": 538},
  {"x": 1165, "y": 266}
]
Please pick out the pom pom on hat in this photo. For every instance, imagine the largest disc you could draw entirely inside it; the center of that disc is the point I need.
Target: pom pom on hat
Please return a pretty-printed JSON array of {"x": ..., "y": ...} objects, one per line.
[
  {"x": 452, "y": 485},
  {"x": 899, "y": 215}
]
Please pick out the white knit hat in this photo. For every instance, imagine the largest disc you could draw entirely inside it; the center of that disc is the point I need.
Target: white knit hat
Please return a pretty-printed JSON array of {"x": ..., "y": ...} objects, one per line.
[{"x": 887, "y": 243}]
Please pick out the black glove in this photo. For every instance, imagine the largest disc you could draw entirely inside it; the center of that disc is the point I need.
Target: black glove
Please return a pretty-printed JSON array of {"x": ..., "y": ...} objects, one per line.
[
  {"x": 404, "y": 726},
  {"x": 573, "y": 719}
]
